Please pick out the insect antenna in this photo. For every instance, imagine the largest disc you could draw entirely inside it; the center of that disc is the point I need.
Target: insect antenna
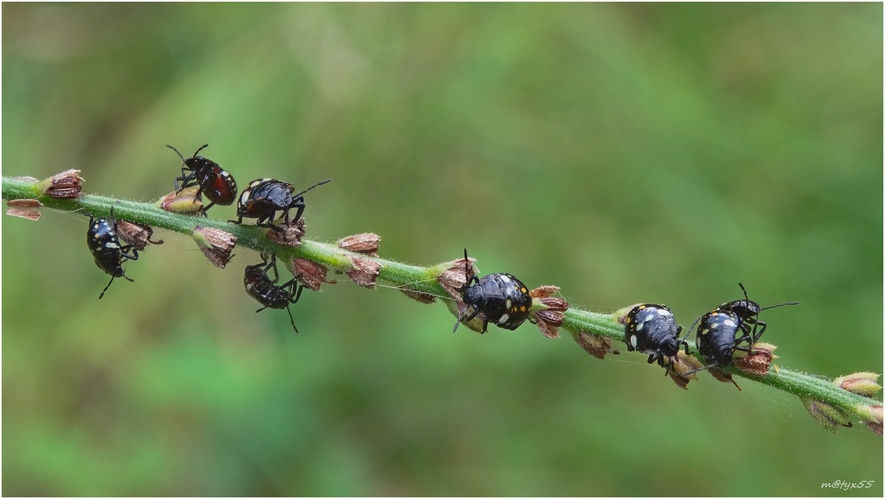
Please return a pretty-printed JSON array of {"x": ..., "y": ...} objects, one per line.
[
  {"x": 779, "y": 305},
  {"x": 178, "y": 153},
  {"x": 311, "y": 187}
]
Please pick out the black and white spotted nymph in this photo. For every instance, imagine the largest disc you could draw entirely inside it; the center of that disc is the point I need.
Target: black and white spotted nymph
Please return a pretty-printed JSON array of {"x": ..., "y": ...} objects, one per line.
[
  {"x": 733, "y": 326},
  {"x": 652, "y": 329},
  {"x": 104, "y": 244},
  {"x": 501, "y": 299}
]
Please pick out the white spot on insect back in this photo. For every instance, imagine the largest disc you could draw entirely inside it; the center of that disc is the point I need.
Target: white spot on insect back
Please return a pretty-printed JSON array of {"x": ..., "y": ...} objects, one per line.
[
  {"x": 633, "y": 341},
  {"x": 111, "y": 245},
  {"x": 508, "y": 303},
  {"x": 639, "y": 326},
  {"x": 505, "y": 279},
  {"x": 729, "y": 322},
  {"x": 504, "y": 318}
]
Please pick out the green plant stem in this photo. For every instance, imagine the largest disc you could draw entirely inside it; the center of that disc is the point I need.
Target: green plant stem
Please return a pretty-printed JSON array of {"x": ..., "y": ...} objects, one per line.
[{"x": 414, "y": 277}]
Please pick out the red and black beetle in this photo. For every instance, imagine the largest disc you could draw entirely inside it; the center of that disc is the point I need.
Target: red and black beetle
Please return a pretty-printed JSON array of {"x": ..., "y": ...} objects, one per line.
[{"x": 216, "y": 183}]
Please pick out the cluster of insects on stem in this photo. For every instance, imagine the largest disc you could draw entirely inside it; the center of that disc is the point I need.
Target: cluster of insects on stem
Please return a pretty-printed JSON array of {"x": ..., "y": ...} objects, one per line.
[
  {"x": 498, "y": 298},
  {"x": 729, "y": 328},
  {"x": 727, "y": 338},
  {"x": 261, "y": 200}
]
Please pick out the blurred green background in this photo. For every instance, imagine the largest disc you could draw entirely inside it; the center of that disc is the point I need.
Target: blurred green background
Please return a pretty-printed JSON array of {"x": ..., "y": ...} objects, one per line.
[{"x": 627, "y": 153}]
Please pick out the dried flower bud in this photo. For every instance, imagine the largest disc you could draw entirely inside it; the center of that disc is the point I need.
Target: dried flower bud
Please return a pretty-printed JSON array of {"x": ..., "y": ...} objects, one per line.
[
  {"x": 679, "y": 369},
  {"x": 548, "y": 322},
  {"x": 215, "y": 244},
  {"x": 454, "y": 278},
  {"x": 308, "y": 273},
  {"x": 364, "y": 272},
  {"x": 544, "y": 291},
  {"x": 861, "y": 383},
  {"x": 137, "y": 235},
  {"x": 25, "y": 208},
  {"x": 184, "y": 202},
  {"x": 757, "y": 360},
  {"x": 550, "y": 318},
  {"x": 365, "y": 243},
  {"x": 290, "y": 234},
  {"x": 680, "y": 381},
  {"x": 554, "y": 304},
  {"x": 418, "y": 295},
  {"x": 594, "y": 344},
  {"x": 65, "y": 185},
  {"x": 825, "y": 414},
  {"x": 723, "y": 376},
  {"x": 872, "y": 414}
]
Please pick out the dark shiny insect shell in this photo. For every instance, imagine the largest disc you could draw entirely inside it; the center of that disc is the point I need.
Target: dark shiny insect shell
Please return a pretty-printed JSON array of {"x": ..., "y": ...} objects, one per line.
[
  {"x": 501, "y": 299},
  {"x": 748, "y": 311},
  {"x": 745, "y": 309},
  {"x": 264, "y": 197},
  {"x": 652, "y": 329},
  {"x": 264, "y": 289},
  {"x": 216, "y": 183},
  {"x": 104, "y": 244},
  {"x": 717, "y": 337},
  {"x": 725, "y": 329}
]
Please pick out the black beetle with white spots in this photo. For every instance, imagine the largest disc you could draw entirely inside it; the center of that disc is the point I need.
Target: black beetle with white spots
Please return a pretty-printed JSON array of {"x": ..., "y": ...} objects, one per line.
[
  {"x": 104, "y": 244},
  {"x": 652, "y": 329},
  {"x": 725, "y": 329},
  {"x": 501, "y": 299}
]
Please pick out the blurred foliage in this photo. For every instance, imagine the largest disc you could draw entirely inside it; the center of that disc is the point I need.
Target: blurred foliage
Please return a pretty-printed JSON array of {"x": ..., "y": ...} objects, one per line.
[{"x": 659, "y": 152}]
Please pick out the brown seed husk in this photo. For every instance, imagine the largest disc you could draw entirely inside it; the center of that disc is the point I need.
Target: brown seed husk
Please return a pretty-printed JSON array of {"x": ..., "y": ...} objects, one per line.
[
  {"x": 290, "y": 234},
  {"x": 215, "y": 244},
  {"x": 137, "y": 235},
  {"x": 365, "y": 243},
  {"x": 757, "y": 360},
  {"x": 311, "y": 274},
  {"x": 29, "y": 209},
  {"x": 65, "y": 185},
  {"x": 364, "y": 272},
  {"x": 594, "y": 344},
  {"x": 454, "y": 278}
]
